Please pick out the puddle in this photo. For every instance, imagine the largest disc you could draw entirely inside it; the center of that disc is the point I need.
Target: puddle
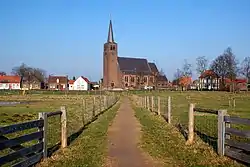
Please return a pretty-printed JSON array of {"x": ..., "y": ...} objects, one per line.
[{"x": 12, "y": 103}]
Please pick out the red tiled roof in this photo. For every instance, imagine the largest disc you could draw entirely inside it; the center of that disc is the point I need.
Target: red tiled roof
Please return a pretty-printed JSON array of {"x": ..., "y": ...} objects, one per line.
[
  {"x": 10, "y": 79},
  {"x": 237, "y": 80},
  {"x": 71, "y": 81},
  {"x": 62, "y": 79},
  {"x": 208, "y": 73},
  {"x": 86, "y": 79}
]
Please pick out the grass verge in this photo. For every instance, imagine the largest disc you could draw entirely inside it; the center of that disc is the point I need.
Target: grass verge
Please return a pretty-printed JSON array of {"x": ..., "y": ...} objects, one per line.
[
  {"x": 163, "y": 141},
  {"x": 90, "y": 147}
]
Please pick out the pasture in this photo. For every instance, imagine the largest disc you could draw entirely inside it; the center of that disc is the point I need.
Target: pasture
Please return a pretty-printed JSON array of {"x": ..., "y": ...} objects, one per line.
[
  {"x": 81, "y": 111},
  {"x": 205, "y": 124}
]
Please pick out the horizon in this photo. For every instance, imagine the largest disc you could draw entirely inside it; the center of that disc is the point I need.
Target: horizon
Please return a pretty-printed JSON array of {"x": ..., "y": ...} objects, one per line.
[{"x": 67, "y": 38}]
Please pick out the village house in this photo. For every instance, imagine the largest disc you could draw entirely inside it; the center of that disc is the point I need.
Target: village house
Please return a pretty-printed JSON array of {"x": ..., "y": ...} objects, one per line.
[
  {"x": 209, "y": 80},
  {"x": 126, "y": 72},
  {"x": 81, "y": 83},
  {"x": 58, "y": 82},
  {"x": 32, "y": 84},
  {"x": 71, "y": 84},
  {"x": 10, "y": 82}
]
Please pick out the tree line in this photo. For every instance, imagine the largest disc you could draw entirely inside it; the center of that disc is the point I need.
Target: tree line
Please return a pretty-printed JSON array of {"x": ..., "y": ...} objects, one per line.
[
  {"x": 225, "y": 65},
  {"x": 28, "y": 74}
]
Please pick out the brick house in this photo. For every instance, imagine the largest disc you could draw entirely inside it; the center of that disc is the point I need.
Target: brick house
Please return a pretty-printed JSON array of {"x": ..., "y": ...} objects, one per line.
[
  {"x": 10, "y": 82},
  {"x": 126, "y": 72},
  {"x": 58, "y": 82}
]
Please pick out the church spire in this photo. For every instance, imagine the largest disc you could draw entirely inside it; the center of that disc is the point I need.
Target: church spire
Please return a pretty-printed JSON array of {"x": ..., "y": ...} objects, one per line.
[{"x": 110, "y": 34}]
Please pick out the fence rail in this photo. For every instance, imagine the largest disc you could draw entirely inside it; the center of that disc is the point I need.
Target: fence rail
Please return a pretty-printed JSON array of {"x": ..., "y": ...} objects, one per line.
[
  {"x": 222, "y": 131},
  {"x": 20, "y": 155},
  {"x": 15, "y": 143}
]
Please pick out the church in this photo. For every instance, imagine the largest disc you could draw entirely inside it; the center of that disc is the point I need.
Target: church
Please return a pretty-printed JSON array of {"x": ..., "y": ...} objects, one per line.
[{"x": 128, "y": 72}]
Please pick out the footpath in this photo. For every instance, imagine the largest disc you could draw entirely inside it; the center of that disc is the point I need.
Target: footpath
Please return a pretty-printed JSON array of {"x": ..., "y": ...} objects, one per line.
[{"x": 123, "y": 140}]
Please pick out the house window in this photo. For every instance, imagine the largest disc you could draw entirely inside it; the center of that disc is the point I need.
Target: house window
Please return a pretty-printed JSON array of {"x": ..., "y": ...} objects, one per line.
[
  {"x": 145, "y": 79},
  {"x": 138, "y": 79},
  {"x": 132, "y": 79},
  {"x": 126, "y": 78},
  {"x": 151, "y": 79}
]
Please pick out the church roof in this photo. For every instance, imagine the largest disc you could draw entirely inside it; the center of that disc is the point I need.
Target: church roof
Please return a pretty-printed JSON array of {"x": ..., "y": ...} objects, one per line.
[
  {"x": 110, "y": 33},
  {"x": 162, "y": 78},
  {"x": 134, "y": 65},
  {"x": 153, "y": 67}
]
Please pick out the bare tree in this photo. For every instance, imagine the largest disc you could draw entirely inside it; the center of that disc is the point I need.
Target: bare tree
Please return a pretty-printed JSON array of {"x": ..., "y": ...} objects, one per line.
[
  {"x": 178, "y": 74},
  {"x": 187, "y": 68},
  {"x": 29, "y": 74},
  {"x": 201, "y": 64},
  {"x": 38, "y": 74},
  {"x": 2, "y": 73},
  {"x": 225, "y": 65},
  {"x": 245, "y": 68}
]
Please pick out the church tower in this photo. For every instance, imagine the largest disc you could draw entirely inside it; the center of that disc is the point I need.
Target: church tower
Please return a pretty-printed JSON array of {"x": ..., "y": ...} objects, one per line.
[{"x": 110, "y": 62}]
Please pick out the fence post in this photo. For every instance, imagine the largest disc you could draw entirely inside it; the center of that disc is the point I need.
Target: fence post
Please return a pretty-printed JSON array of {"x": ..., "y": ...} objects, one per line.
[
  {"x": 152, "y": 104},
  {"x": 221, "y": 132},
  {"x": 159, "y": 105},
  {"x": 43, "y": 116},
  {"x": 169, "y": 109},
  {"x": 148, "y": 106},
  {"x": 141, "y": 101},
  {"x": 83, "y": 111},
  {"x": 93, "y": 112},
  {"x": 100, "y": 104},
  {"x": 190, "y": 124},
  {"x": 105, "y": 102},
  {"x": 63, "y": 127},
  {"x": 145, "y": 101}
]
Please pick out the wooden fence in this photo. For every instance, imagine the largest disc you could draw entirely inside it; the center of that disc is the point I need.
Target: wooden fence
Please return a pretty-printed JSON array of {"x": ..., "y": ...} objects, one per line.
[
  {"x": 153, "y": 104},
  {"x": 19, "y": 155},
  {"x": 225, "y": 144},
  {"x": 34, "y": 153}
]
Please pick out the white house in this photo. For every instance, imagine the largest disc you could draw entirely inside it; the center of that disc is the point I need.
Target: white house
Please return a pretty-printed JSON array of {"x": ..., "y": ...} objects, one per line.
[
  {"x": 10, "y": 82},
  {"x": 71, "y": 84},
  {"x": 81, "y": 83}
]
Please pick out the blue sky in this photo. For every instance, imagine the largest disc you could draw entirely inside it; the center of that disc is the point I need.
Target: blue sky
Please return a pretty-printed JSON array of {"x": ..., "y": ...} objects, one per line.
[{"x": 67, "y": 37}]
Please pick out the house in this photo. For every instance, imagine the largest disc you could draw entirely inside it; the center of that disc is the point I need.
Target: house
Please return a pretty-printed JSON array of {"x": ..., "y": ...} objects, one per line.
[
  {"x": 32, "y": 84},
  {"x": 209, "y": 80},
  {"x": 94, "y": 85},
  {"x": 10, "y": 82},
  {"x": 125, "y": 72},
  {"x": 58, "y": 82},
  {"x": 82, "y": 83},
  {"x": 162, "y": 81},
  {"x": 194, "y": 85},
  {"x": 71, "y": 84},
  {"x": 185, "y": 82},
  {"x": 238, "y": 84}
]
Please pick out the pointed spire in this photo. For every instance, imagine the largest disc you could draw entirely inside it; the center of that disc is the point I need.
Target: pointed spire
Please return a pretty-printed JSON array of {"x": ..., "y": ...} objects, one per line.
[{"x": 110, "y": 34}]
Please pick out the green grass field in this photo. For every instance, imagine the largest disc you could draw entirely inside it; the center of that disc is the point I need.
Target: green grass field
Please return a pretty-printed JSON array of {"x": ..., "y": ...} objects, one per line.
[
  {"x": 80, "y": 111},
  {"x": 205, "y": 124}
]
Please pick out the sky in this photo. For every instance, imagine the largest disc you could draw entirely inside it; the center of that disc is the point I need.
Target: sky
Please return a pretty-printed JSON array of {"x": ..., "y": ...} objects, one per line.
[{"x": 66, "y": 37}]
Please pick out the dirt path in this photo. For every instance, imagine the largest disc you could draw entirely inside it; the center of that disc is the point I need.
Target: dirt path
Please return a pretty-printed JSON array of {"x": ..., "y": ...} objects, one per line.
[{"x": 123, "y": 137}]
